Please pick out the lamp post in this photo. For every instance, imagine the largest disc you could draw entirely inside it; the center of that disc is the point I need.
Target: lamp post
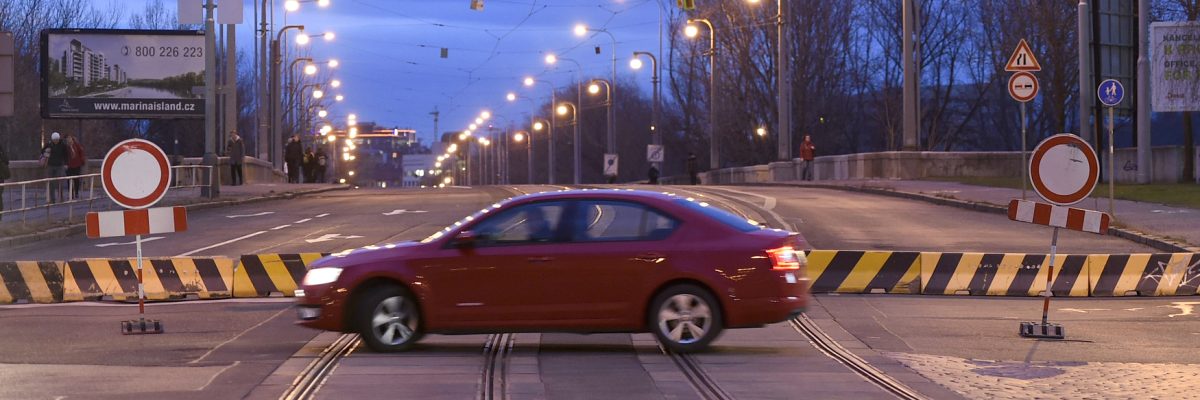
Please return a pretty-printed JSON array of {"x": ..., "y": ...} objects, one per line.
[
  {"x": 520, "y": 136},
  {"x": 714, "y": 153},
  {"x": 550, "y": 138},
  {"x": 782, "y": 69},
  {"x": 561, "y": 110},
  {"x": 581, "y": 30},
  {"x": 577, "y": 150},
  {"x": 594, "y": 88},
  {"x": 276, "y": 102},
  {"x": 636, "y": 63}
]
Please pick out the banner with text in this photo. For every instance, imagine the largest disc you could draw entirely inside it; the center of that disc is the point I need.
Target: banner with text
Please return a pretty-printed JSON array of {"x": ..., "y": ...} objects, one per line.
[
  {"x": 1175, "y": 66},
  {"x": 102, "y": 73}
]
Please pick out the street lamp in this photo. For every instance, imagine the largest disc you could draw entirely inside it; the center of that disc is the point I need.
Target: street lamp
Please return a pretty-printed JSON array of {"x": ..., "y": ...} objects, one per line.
[
  {"x": 335, "y": 84},
  {"x": 339, "y": 97},
  {"x": 636, "y": 63},
  {"x": 275, "y": 100},
  {"x": 581, "y": 30},
  {"x": 529, "y": 82},
  {"x": 577, "y": 149},
  {"x": 322, "y": 113},
  {"x": 714, "y": 153}
]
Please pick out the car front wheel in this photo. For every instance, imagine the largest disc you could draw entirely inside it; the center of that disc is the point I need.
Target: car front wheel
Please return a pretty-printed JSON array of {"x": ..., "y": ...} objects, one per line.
[
  {"x": 389, "y": 319},
  {"x": 685, "y": 318}
]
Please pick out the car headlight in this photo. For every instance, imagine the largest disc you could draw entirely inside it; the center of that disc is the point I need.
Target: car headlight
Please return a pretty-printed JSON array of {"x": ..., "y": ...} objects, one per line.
[{"x": 321, "y": 276}]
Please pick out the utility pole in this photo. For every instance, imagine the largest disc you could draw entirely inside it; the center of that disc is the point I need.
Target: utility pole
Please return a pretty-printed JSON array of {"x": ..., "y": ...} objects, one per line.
[
  {"x": 783, "y": 59},
  {"x": 912, "y": 92},
  {"x": 264, "y": 95},
  {"x": 1145, "y": 166},
  {"x": 1086, "y": 96},
  {"x": 231, "y": 90},
  {"x": 435, "y": 115},
  {"x": 210, "y": 100}
]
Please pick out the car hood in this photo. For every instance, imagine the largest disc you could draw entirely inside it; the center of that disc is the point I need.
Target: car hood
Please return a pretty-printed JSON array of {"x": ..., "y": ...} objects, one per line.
[{"x": 366, "y": 254}]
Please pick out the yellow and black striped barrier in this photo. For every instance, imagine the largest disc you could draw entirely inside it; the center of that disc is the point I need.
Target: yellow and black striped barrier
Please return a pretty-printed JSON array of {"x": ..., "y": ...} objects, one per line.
[
  {"x": 163, "y": 278},
  {"x": 262, "y": 275},
  {"x": 1002, "y": 274},
  {"x": 30, "y": 282},
  {"x": 834, "y": 271},
  {"x": 1163, "y": 274}
]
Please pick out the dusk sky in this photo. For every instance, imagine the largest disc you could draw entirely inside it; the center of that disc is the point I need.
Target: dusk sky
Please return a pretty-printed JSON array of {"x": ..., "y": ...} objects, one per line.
[{"x": 393, "y": 74}]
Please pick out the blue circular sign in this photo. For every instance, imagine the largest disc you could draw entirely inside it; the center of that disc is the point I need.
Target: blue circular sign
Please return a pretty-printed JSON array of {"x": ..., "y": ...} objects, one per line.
[{"x": 1110, "y": 92}]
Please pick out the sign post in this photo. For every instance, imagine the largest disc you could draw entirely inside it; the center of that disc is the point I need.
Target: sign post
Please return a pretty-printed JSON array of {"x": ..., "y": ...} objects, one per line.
[
  {"x": 1111, "y": 93},
  {"x": 135, "y": 174},
  {"x": 1023, "y": 87}
]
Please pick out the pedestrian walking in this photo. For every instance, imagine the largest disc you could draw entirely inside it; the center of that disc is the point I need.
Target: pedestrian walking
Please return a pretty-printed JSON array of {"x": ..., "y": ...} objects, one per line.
[
  {"x": 309, "y": 165},
  {"x": 236, "y": 150},
  {"x": 76, "y": 159},
  {"x": 54, "y": 158},
  {"x": 5, "y": 174},
  {"x": 807, "y": 150},
  {"x": 322, "y": 164},
  {"x": 693, "y": 169},
  {"x": 653, "y": 173},
  {"x": 292, "y": 155}
]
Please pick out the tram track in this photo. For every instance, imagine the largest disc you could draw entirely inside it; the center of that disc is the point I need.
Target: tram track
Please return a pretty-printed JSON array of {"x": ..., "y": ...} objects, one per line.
[
  {"x": 493, "y": 383},
  {"x": 697, "y": 376},
  {"x": 310, "y": 380}
]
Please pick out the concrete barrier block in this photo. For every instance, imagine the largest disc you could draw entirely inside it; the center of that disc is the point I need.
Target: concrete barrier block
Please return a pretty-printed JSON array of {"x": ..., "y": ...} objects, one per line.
[
  {"x": 1002, "y": 274},
  {"x": 1161, "y": 274}
]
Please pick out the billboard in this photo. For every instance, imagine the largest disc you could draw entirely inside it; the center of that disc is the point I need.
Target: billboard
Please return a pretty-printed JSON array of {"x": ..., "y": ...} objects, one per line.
[
  {"x": 1175, "y": 66},
  {"x": 108, "y": 73}
]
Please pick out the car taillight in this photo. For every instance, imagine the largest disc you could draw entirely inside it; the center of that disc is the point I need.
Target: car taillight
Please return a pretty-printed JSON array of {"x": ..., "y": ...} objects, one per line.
[{"x": 786, "y": 258}]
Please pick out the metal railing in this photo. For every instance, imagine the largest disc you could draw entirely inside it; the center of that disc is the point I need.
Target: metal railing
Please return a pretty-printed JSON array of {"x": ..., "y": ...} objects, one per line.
[{"x": 61, "y": 198}]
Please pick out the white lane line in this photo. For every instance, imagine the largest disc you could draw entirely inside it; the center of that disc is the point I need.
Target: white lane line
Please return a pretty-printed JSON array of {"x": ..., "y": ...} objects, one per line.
[
  {"x": 222, "y": 243},
  {"x": 251, "y": 215},
  {"x": 239, "y": 335},
  {"x": 322, "y": 215},
  {"x": 281, "y": 227},
  {"x": 144, "y": 240},
  {"x": 214, "y": 377},
  {"x": 303, "y": 221}
]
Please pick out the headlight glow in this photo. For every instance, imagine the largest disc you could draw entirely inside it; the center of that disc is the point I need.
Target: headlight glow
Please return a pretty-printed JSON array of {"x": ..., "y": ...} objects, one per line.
[{"x": 321, "y": 276}]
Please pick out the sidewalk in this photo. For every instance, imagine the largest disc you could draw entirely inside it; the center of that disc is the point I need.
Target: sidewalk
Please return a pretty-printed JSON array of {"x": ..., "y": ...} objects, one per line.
[
  {"x": 36, "y": 226},
  {"x": 1158, "y": 225}
]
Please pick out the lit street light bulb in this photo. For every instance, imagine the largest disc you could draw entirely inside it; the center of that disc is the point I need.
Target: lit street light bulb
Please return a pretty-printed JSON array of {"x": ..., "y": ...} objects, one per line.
[
  {"x": 593, "y": 88},
  {"x": 485, "y": 114},
  {"x": 478, "y": 121},
  {"x": 562, "y": 110},
  {"x": 352, "y": 116},
  {"x": 310, "y": 69},
  {"x": 472, "y": 126},
  {"x": 353, "y": 132},
  {"x": 537, "y": 126},
  {"x": 551, "y": 59},
  {"x": 334, "y": 63},
  {"x": 580, "y": 30},
  {"x": 635, "y": 63},
  {"x": 528, "y": 81},
  {"x": 761, "y": 131},
  {"x": 322, "y": 113},
  {"x": 291, "y": 5},
  {"x": 519, "y": 137},
  {"x": 302, "y": 38},
  {"x": 318, "y": 94},
  {"x": 339, "y": 97},
  {"x": 335, "y": 83},
  {"x": 322, "y": 3},
  {"x": 511, "y": 96},
  {"x": 329, "y": 36},
  {"x": 691, "y": 31}
]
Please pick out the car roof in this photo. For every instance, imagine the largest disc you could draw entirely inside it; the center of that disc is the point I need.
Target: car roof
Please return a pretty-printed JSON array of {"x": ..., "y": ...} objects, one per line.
[{"x": 576, "y": 194}]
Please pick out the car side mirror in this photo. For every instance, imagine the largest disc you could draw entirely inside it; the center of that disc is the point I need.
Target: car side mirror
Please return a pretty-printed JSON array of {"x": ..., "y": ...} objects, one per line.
[{"x": 465, "y": 239}]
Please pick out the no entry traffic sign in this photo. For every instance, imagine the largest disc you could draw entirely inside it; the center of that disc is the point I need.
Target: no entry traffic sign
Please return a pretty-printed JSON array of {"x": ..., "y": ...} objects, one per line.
[
  {"x": 1064, "y": 169},
  {"x": 135, "y": 174}
]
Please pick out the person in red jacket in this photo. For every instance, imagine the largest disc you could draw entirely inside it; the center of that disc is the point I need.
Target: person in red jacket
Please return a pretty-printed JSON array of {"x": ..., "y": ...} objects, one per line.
[
  {"x": 76, "y": 159},
  {"x": 807, "y": 150}
]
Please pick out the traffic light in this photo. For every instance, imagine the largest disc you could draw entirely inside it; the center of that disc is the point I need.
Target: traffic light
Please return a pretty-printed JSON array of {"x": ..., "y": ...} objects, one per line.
[{"x": 687, "y": 5}]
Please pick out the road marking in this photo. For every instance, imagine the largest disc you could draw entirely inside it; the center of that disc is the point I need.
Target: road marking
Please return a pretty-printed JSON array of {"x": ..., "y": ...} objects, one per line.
[
  {"x": 768, "y": 201},
  {"x": 1083, "y": 310},
  {"x": 303, "y": 221},
  {"x": 239, "y": 335},
  {"x": 144, "y": 240},
  {"x": 322, "y": 215},
  {"x": 251, "y": 215},
  {"x": 331, "y": 236},
  {"x": 222, "y": 243},
  {"x": 214, "y": 377},
  {"x": 403, "y": 211},
  {"x": 1185, "y": 308},
  {"x": 281, "y": 227}
]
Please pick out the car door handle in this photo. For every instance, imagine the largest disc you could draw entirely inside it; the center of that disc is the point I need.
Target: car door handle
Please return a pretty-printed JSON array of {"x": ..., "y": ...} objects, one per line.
[
  {"x": 652, "y": 258},
  {"x": 539, "y": 259}
]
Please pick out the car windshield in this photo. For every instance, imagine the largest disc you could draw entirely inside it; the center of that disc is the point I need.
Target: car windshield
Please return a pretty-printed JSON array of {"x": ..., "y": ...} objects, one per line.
[{"x": 725, "y": 217}]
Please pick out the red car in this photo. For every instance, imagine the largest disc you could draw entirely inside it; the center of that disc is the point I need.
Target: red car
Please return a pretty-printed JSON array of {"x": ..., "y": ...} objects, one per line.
[{"x": 570, "y": 261}]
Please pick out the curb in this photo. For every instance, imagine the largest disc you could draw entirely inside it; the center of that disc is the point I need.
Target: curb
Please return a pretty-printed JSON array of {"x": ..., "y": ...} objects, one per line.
[
  {"x": 77, "y": 228},
  {"x": 1132, "y": 235}
]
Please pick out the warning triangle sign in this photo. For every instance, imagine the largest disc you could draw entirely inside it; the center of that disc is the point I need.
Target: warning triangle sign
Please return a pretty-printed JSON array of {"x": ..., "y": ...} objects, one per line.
[{"x": 1022, "y": 59}]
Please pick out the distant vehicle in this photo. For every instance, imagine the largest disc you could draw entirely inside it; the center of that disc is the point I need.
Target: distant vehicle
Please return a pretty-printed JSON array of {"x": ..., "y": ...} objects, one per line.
[{"x": 571, "y": 261}]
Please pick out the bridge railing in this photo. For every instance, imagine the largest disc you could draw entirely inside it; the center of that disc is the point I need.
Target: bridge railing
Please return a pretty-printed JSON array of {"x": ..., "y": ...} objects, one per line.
[{"x": 64, "y": 198}]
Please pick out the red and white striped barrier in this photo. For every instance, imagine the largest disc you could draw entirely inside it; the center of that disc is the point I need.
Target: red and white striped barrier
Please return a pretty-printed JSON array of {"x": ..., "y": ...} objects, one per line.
[
  {"x": 136, "y": 222},
  {"x": 1063, "y": 217}
]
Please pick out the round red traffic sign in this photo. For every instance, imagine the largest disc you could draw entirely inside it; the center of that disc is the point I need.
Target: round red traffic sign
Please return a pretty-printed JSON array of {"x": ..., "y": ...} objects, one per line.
[
  {"x": 1064, "y": 169},
  {"x": 135, "y": 174},
  {"x": 1023, "y": 86}
]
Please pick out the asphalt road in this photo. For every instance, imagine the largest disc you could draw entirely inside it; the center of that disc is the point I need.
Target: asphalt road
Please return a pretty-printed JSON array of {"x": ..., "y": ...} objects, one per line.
[{"x": 232, "y": 349}]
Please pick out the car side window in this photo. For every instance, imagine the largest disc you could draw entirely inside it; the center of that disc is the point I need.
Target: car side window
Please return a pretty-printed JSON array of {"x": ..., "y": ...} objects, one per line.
[
  {"x": 525, "y": 224},
  {"x": 606, "y": 221}
]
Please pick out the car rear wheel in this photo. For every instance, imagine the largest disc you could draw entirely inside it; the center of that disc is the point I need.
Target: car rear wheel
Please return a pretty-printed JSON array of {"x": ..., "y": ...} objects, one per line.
[
  {"x": 389, "y": 319},
  {"x": 685, "y": 318}
]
